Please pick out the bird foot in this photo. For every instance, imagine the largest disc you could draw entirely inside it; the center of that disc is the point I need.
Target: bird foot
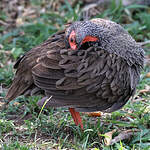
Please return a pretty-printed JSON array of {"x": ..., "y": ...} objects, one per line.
[{"x": 94, "y": 114}]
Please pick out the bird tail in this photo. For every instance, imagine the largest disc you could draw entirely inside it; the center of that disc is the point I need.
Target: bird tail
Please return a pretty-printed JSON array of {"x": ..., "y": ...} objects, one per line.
[{"x": 19, "y": 86}]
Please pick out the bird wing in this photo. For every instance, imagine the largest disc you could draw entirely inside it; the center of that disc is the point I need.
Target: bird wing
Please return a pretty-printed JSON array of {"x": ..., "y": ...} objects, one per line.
[
  {"x": 23, "y": 79},
  {"x": 88, "y": 80}
]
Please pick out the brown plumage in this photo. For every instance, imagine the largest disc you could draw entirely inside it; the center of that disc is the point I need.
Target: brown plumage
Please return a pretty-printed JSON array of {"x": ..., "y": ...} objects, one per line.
[{"x": 91, "y": 66}]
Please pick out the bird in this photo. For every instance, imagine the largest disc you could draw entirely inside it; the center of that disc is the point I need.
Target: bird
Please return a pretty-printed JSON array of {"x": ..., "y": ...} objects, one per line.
[{"x": 91, "y": 65}]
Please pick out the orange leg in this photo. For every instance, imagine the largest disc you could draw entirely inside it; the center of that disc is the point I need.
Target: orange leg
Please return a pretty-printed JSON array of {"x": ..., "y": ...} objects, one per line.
[{"x": 76, "y": 117}]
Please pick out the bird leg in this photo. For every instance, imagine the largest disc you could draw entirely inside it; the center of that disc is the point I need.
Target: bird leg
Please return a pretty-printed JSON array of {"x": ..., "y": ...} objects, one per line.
[{"x": 76, "y": 117}]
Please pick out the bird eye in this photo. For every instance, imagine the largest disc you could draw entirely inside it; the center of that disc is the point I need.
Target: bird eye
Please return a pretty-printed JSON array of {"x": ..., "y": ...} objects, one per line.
[{"x": 71, "y": 40}]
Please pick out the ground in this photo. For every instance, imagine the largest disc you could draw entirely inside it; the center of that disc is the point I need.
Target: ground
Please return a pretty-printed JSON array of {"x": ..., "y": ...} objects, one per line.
[{"x": 25, "y": 126}]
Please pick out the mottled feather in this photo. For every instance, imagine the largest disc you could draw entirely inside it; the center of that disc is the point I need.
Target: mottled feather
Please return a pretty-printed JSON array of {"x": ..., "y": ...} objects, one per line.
[{"x": 99, "y": 78}]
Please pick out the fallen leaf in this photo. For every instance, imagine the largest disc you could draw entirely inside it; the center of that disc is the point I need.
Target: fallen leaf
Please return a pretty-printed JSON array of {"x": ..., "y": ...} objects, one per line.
[
  {"x": 19, "y": 22},
  {"x": 16, "y": 103},
  {"x": 28, "y": 12},
  {"x": 144, "y": 91},
  {"x": 108, "y": 137},
  {"x": 1, "y": 46},
  {"x": 1, "y": 103},
  {"x": 147, "y": 109},
  {"x": 148, "y": 75}
]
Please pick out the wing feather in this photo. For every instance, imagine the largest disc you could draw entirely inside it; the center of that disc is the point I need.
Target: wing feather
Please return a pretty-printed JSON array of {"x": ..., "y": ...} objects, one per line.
[{"x": 97, "y": 74}]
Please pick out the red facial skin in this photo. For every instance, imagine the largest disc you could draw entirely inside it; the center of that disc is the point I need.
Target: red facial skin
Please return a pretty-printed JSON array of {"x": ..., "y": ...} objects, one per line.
[
  {"x": 72, "y": 40},
  {"x": 89, "y": 39}
]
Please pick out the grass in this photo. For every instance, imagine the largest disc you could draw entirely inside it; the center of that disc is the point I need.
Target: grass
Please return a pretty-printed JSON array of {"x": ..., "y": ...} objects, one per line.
[{"x": 23, "y": 127}]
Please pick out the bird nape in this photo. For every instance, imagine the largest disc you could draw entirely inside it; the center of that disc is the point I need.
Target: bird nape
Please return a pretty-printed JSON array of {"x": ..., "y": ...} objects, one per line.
[{"x": 91, "y": 66}]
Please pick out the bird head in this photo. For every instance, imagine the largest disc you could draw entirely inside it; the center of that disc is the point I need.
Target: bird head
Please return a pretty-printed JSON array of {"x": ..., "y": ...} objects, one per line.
[
  {"x": 82, "y": 34},
  {"x": 103, "y": 34}
]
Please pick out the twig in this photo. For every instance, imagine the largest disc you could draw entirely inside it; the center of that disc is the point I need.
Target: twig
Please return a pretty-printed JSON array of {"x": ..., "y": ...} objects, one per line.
[
  {"x": 3, "y": 23},
  {"x": 123, "y": 135},
  {"x": 5, "y": 52},
  {"x": 144, "y": 43}
]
